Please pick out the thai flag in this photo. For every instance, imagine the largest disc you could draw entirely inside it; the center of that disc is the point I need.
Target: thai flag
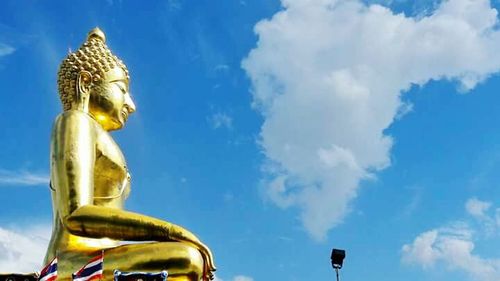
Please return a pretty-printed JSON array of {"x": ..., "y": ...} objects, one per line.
[
  {"x": 91, "y": 271},
  {"x": 49, "y": 272}
]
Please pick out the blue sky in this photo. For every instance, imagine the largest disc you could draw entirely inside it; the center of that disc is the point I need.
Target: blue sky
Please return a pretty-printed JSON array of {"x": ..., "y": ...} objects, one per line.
[{"x": 276, "y": 130}]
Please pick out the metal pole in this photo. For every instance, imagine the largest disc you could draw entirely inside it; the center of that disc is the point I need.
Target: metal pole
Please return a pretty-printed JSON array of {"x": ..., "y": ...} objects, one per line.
[{"x": 337, "y": 271}]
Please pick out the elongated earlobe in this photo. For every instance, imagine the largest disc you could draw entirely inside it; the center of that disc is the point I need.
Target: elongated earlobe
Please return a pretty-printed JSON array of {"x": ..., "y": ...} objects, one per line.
[{"x": 84, "y": 81}]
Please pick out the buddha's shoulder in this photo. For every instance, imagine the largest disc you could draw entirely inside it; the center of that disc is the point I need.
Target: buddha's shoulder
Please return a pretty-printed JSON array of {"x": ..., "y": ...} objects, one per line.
[{"x": 74, "y": 117}]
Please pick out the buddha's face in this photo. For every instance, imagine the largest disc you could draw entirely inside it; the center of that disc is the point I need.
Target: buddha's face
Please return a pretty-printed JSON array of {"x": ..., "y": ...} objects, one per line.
[{"x": 110, "y": 101}]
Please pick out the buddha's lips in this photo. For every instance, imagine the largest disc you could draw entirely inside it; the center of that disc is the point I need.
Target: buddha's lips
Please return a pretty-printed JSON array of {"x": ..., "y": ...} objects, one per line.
[{"x": 124, "y": 114}]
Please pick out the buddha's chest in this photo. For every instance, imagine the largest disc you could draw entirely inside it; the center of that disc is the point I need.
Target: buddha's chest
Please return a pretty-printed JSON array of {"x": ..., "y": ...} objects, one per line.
[{"x": 111, "y": 179}]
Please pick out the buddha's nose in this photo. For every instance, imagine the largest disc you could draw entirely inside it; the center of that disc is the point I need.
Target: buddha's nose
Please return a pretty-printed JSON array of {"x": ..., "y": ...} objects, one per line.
[{"x": 129, "y": 104}]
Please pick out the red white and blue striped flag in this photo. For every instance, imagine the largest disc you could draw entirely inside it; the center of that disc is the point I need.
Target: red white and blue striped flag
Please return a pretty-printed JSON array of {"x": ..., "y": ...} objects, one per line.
[
  {"x": 49, "y": 272},
  {"x": 91, "y": 271}
]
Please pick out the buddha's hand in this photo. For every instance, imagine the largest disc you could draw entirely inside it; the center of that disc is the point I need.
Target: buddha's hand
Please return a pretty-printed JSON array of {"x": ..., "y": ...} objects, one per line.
[{"x": 180, "y": 234}]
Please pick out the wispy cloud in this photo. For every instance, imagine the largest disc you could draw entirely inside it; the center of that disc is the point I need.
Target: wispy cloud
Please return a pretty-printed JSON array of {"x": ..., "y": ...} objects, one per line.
[
  {"x": 453, "y": 245},
  {"x": 174, "y": 5},
  {"x": 243, "y": 278},
  {"x": 237, "y": 278},
  {"x": 328, "y": 76},
  {"x": 414, "y": 202},
  {"x": 221, "y": 67},
  {"x": 6, "y": 49},
  {"x": 477, "y": 208},
  {"x": 221, "y": 120},
  {"x": 22, "y": 249},
  {"x": 26, "y": 178}
]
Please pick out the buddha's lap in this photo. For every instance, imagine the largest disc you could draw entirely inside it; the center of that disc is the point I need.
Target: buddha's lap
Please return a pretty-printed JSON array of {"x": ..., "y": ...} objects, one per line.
[{"x": 175, "y": 257}]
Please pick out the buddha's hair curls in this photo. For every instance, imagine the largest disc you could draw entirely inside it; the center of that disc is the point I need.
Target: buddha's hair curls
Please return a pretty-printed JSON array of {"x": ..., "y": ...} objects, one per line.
[{"x": 93, "y": 56}]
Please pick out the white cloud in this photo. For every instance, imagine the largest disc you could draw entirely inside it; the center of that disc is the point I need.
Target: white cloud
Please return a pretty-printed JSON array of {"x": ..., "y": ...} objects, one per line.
[
  {"x": 23, "y": 250},
  {"x": 421, "y": 251},
  {"x": 476, "y": 207},
  {"x": 327, "y": 76},
  {"x": 454, "y": 246},
  {"x": 221, "y": 120},
  {"x": 6, "y": 49},
  {"x": 12, "y": 178}
]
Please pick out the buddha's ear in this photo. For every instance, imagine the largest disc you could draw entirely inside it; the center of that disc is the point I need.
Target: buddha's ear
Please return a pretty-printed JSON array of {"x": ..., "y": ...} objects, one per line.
[{"x": 83, "y": 83}]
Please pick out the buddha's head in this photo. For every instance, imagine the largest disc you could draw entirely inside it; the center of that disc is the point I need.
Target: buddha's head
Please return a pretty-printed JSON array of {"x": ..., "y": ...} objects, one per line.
[{"x": 94, "y": 80}]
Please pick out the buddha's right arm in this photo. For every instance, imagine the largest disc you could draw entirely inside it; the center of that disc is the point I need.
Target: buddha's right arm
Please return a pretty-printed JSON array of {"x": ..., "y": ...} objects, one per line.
[
  {"x": 101, "y": 222},
  {"x": 104, "y": 222}
]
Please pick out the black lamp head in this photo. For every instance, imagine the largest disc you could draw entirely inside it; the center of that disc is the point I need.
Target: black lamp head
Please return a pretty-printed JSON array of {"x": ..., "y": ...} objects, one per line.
[{"x": 337, "y": 258}]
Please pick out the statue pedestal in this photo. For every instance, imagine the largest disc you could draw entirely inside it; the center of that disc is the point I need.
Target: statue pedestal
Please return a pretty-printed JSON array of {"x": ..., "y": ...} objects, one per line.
[{"x": 118, "y": 276}]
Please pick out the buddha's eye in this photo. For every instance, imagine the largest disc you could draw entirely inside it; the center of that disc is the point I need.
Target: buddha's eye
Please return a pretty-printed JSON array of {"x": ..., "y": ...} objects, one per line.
[{"x": 122, "y": 87}]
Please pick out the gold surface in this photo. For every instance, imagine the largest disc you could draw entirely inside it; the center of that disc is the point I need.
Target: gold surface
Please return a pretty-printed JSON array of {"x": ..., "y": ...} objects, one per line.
[{"x": 90, "y": 181}]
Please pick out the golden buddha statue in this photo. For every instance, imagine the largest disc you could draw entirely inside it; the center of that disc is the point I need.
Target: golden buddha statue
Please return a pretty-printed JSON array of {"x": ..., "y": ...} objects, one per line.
[{"x": 90, "y": 181}]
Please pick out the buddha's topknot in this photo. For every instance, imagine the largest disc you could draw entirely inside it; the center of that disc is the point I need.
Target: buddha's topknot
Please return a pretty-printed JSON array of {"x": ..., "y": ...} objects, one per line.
[{"x": 93, "y": 56}]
